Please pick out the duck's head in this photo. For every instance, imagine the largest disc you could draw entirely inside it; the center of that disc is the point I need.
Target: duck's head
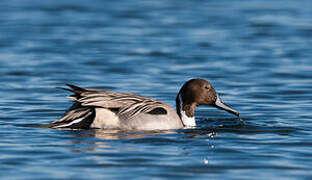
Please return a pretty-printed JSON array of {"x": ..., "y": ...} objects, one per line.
[{"x": 197, "y": 92}]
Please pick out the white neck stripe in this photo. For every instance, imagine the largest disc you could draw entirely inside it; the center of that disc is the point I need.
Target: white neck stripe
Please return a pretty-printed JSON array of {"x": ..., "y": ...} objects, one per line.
[{"x": 187, "y": 121}]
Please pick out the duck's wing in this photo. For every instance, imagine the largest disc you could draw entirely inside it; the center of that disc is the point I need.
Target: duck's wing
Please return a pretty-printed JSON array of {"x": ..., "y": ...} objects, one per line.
[{"x": 125, "y": 105}]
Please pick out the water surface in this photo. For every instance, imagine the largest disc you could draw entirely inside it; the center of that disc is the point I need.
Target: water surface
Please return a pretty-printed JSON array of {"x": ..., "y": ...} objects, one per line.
[{"x": 257, "y": 54}]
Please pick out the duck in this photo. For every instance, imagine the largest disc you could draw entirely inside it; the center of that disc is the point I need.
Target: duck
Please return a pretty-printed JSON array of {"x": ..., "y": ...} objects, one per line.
[{"x": 103, "y": 109}]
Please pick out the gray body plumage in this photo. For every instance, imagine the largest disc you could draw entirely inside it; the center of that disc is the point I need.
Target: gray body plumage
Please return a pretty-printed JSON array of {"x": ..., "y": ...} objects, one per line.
[{"x": 108, "y": 109}]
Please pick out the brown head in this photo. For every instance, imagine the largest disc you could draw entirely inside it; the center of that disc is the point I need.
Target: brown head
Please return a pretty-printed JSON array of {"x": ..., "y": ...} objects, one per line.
[{"x": 197, "y": 92}]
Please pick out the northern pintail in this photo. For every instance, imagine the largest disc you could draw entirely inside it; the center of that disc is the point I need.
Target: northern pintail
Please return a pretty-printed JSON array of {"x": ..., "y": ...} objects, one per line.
[{"x": 110, "y": 110}]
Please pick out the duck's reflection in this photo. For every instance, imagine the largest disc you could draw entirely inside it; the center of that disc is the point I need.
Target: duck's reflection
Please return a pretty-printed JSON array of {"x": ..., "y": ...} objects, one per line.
[
  {"x": 110, "y": 134},
  {"x": 113, "y": 134},
  {"x": 104, "y": 139},
  {"x": 101, "y": 139}
]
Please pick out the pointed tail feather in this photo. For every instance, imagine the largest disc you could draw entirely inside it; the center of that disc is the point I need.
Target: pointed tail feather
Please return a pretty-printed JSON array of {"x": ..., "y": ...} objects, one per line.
[{"x": 76, "y": 89}]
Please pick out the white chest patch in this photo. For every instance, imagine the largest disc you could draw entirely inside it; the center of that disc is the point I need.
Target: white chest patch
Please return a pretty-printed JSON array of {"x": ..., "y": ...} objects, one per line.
[{"x": 187, "y": 121}]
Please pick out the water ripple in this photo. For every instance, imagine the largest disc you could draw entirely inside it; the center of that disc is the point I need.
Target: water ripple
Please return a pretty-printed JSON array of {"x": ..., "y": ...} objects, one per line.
[{"x": 257, "y": 56}]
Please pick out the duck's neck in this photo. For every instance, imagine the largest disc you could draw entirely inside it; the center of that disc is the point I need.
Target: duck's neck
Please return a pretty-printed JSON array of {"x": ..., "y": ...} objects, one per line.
[{"x": 185, "y": 111}]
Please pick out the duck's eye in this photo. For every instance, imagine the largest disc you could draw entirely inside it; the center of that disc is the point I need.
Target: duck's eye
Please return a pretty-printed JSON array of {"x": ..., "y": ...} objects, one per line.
[{"x": 206, "y": 87}]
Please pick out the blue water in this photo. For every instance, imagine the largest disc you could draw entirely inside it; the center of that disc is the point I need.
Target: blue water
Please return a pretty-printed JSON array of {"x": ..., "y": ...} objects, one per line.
[{"x": 257, "y": 54}]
